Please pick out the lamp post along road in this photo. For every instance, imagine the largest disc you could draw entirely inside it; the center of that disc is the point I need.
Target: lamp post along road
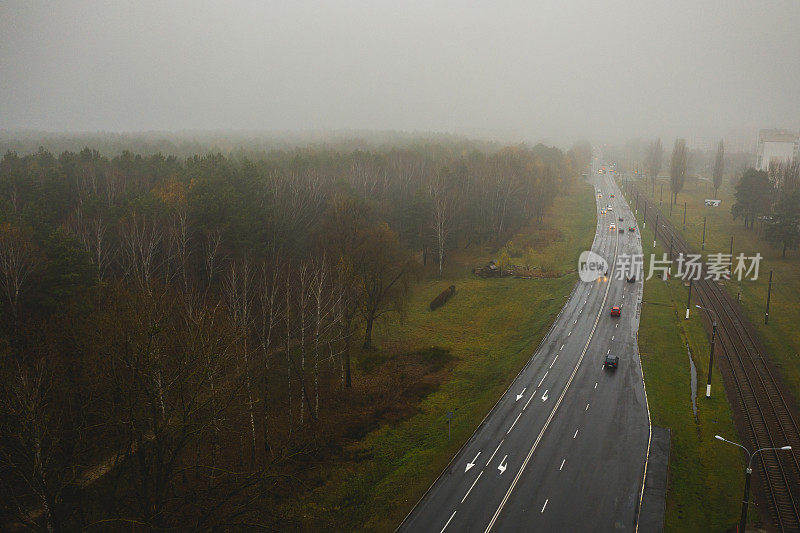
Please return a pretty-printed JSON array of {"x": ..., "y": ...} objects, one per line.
[
  {"x": 747, "y": 473},
  {"x": 689, "y": 299}
]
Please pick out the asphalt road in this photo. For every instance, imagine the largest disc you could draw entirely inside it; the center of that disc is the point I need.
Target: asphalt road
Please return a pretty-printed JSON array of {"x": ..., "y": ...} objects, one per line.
[{"x": 564, "y": 449}]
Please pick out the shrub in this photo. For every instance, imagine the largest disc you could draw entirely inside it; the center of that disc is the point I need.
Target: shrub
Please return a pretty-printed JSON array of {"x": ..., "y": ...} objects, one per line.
[{"x": 443, "y": 297}]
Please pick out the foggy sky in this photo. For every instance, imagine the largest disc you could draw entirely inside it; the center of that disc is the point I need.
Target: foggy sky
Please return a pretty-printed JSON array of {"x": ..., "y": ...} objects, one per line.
[{"x": 529, "y": 69}]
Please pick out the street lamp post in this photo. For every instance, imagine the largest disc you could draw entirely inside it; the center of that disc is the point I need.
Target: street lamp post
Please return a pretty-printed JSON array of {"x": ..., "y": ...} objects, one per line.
[
  {"x": 711, "y": 355},
  {"x": 747, "y": 473}
]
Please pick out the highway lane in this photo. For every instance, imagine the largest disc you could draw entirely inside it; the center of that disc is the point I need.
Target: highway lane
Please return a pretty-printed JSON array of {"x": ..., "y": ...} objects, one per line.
[{"x": 544, "y": 455}]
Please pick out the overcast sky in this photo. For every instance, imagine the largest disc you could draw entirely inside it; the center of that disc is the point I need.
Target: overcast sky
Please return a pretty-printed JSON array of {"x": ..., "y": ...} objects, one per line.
[{"x": 532, "y": 69}]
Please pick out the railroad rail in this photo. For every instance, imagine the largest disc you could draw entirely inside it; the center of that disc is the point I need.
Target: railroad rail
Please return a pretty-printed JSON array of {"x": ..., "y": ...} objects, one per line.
[{"x": 764, "y": 416}]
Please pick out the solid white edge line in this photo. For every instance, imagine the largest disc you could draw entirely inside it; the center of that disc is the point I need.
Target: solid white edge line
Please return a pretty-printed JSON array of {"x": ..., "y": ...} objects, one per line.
[
  {"x": 553, "y": 412},
  {"x": 470, "y": 487},
  {"x": 448, "y": 522}
]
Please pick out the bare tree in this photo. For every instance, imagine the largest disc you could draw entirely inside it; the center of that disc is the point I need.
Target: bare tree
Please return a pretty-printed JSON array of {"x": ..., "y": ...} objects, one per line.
[
  {"x": 238, "y": 293},
  {"x": 18, "y": 260},
  {"x": 444, "y": 200}
]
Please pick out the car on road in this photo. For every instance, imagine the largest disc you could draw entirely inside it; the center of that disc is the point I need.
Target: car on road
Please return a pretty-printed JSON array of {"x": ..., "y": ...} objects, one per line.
[
  {"x": 611, "y": 361},
  {"x": 612, "y": 227},
  {"x": 632, "y": 228},
  {"x": 612, "y": 196},
  {"x": 622, "y": 230},
  {"x": 616, "y": 311},
  {"x": 609, "y": 207},
  {"x": 631, "y": 279},
  {"x": 621, "y": 219}
]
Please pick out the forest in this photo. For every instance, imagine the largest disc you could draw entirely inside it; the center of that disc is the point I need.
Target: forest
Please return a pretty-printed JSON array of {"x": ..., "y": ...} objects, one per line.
[{"x": 177, "y": 333}]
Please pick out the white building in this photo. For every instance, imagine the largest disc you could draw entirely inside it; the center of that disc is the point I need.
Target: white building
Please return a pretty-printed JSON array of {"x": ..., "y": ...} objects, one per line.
[{"x": 777, "y": 145}]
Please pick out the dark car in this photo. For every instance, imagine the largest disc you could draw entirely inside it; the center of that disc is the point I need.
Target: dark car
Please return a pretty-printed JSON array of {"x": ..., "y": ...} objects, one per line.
[
  {"x": 621, "y": 230},
  {"x": 611, "y": 361},
  {"x": 616, "y": 311},
  {"x": 631, "y": 279},
  {"x": 621, "y": 219}
]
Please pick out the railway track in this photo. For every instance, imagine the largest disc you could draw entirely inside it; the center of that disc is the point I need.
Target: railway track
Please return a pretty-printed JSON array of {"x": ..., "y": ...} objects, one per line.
[{"x": 764, "y": 415}]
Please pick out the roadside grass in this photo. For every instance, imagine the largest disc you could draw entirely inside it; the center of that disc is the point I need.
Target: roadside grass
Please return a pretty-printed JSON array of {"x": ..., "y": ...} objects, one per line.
[
  {"x": 705, "y": 475},
  {"x": 780, "y": 336},
  {"x": 489, "y": 328}
]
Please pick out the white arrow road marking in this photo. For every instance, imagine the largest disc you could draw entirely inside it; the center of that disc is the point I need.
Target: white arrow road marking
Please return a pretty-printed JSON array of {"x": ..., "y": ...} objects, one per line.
[
  {"x": 494, "y": 452},
  {"x": 521, "y": 394},
  {"x": 471, "y": 463},
  {"x": 545, "y": 375},
  {"x": 470, "y": 487},
  {"x": 562, "y": 463},
  {"x": 502, "y": 467},
  {"x": 448, "y": 522},
  {"x": 545, "y": 504},
  {"x": 544, "y": 396},
  {"x": 512, "y": 425}
]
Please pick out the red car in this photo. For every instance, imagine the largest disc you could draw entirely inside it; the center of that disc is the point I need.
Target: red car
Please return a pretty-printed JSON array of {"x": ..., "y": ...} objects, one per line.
[{"x": 615, "y": 311}]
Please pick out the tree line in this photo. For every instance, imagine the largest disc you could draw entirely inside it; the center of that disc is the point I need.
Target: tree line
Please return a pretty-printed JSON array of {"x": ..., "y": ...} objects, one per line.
[{"x": 177, "y": 330}]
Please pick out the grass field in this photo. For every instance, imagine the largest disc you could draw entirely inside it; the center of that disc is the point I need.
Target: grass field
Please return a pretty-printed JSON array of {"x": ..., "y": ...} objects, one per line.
[
  {"x": 780, "y": 336},
  {"x": 488, "y": 330},
  {"x": 705, "y": 475}
]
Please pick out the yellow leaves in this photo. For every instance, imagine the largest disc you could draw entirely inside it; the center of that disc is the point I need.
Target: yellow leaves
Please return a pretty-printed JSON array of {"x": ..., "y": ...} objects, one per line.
[{"x": 171, "y": 192}]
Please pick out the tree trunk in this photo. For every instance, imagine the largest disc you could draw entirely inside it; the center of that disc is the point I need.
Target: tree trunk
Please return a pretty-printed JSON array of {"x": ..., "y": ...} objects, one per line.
[{"x": 368, "y": 333}]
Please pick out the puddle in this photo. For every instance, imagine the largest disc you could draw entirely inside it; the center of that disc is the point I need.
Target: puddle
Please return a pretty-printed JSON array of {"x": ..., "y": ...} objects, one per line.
[{"x": 693, "y": 391}]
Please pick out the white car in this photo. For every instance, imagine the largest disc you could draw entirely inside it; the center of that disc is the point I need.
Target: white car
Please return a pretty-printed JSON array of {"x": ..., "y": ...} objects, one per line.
[
  {"x": 612, "y": 226},
  {"x": 610, "y": 208}
]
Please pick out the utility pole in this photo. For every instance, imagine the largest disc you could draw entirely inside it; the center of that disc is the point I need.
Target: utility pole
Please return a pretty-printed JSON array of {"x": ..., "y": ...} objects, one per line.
[
  {"x": 661, "y": 200},
  {"x": 684, "y": 216},
  {"x": 769, "y": 292},
  {"x": 644, "y": 223},
  {"x": 689, "y": 299},
  {"x": 655, "y": 232},
  {"x": 703, "y": 246},
  {"x": 730, "y": 264},
  {"x": 711, "y": 356}
]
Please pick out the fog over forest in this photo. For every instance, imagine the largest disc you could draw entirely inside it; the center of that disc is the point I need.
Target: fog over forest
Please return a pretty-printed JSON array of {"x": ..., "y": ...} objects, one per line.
[{"x": 546, "y": 71}]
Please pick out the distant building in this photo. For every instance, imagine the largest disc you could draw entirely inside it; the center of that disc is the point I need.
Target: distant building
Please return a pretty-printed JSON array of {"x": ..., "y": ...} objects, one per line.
[{"x": 777, "y": 145}]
